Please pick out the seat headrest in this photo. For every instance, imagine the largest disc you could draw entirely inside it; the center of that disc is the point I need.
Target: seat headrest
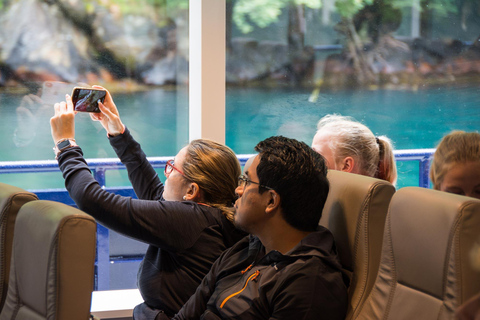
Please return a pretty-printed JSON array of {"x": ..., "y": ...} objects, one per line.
[
  {"x": 425, "y": 270},
  {"x": 355, "y": 213},
  {"x": 11, "y": 200},
  {"x": 355, "y": 199},
  {"x": 53, "y": 259},
  {"x": 432, "y": 235}
]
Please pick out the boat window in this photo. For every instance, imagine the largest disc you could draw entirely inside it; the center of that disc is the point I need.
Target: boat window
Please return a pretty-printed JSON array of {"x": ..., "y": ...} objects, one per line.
[{"x": 406, "y": 69}]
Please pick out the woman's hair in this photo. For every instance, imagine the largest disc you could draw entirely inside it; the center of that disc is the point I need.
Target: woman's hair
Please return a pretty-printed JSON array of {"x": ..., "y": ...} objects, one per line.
[
  {"x": 349, "y": 138},
  {"x": 455, "y": 147},
  {"x": 215, "y": 168}
]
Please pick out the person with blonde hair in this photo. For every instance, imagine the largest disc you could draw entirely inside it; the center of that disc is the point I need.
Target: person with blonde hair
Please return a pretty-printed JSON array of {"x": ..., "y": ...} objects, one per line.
[
  {"x": 188, "y": 222},
  {"x": 455, "y": 168},
  {"x": 456, "y": 164},
  {"x": 350, "y": 146}
]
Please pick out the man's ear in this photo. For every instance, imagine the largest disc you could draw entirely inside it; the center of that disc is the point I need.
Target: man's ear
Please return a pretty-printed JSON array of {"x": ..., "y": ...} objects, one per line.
[
  {"x": 273, "y": 202},
  {"x": 194, "y": 193},
  {"x": 347, "y": 165}
]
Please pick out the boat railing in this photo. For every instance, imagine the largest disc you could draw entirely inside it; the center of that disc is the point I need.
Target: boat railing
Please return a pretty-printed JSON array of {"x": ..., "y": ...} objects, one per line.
[{"x": 99, "y": 168}]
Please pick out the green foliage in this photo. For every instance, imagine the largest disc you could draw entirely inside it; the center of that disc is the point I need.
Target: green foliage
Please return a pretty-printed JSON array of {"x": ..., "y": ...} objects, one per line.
[
  {"x": 3, "y": 4},
  {"x": 159, "y": 11},
  {"x": 133, "y": 7},
  {"x": 348, "y": 8},
  {"x": 89, "y": 7},
  {"x": 260, "y": 12},
  {"x": 441, "y": 7},
  {"x": 263, "y": 12},
  {"x": 313, "y": 4},
  {"x": 175, "y": 5}
]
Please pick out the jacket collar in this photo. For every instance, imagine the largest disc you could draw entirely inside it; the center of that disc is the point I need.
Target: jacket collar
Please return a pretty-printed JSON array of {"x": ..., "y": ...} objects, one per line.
[{"x": 319, "y": 243}]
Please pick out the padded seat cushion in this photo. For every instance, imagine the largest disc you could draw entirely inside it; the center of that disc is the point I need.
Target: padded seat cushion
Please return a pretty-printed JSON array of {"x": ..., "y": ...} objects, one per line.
[
  {"x": 355, "y": 213},
  {"x": 11, "y": 200},
  {"x": 425, "y": 262},
  {"x": 53, "y": 260}
]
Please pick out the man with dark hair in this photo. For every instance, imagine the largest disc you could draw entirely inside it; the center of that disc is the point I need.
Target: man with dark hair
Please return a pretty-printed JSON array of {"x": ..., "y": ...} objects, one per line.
[
  {"x": 298, "y": 175},
  {"x": 287, "y": 268}
]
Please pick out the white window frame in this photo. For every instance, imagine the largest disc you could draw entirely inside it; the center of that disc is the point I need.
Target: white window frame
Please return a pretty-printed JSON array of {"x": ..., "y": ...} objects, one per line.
[{"x": 207, "y": 69}]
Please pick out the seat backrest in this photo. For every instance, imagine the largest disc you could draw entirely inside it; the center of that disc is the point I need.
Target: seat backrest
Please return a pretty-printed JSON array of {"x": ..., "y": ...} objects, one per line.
[
  {"x": 11, "y": 200},
  {"x": 425, "y": 270},
  {"x": 52, "y": 271},
  {"x": 355, "y": 213}
]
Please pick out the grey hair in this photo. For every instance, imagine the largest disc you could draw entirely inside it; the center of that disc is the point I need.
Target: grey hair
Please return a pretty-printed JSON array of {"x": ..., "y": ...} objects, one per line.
[{"x": 350, "y": 138}]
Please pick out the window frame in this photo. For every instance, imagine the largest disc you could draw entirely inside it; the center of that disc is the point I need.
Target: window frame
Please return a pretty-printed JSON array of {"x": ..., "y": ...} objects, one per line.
[{"x": 207, "y": 87}]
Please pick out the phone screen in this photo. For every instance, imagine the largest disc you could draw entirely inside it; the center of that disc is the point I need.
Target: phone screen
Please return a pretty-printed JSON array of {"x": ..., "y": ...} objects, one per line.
[{"x": 86, "y": 100}]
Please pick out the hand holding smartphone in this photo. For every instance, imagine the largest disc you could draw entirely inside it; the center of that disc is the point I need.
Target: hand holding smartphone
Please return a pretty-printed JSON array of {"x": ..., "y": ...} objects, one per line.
[{"x": 86, "y": 99}]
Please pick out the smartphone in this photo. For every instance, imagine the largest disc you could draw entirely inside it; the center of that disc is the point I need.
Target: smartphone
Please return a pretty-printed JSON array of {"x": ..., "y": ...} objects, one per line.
[{"x": 86, "y": 99}]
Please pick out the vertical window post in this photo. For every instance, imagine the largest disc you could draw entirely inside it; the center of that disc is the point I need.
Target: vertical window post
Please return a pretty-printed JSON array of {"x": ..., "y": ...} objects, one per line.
[{"x": 207, "y": 70}]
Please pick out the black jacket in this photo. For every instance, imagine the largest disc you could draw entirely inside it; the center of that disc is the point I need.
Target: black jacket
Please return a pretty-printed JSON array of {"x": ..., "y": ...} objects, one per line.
[
  {"x": 246, "y": 283},
  {"x": 184, "y": 238}
]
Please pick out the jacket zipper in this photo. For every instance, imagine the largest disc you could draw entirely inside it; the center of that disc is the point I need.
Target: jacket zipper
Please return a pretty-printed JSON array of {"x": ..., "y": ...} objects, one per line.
[{"x": 252, "y": 277}]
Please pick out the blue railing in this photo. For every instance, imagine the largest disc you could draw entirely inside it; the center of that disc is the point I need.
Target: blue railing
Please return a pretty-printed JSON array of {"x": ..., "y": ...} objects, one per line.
[
  {"x": 100, "y": 166},
  {"x": 423, "y": 156}
]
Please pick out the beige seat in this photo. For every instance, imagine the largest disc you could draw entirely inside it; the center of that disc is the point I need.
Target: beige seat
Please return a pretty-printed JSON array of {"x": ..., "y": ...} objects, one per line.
[
  {"x": 425, "y": 269},
  {"x": 52, "y": 270},
  {"x": 11, "y": 199},
  {"x": 355, "y": 213}
]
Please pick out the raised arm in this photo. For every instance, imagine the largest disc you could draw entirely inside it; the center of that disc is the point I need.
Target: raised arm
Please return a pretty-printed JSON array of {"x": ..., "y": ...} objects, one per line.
[
  {"x": 144, "y": 179},
  {"x": 170, "y": 225},
  {"x": 142, "y": 176},
  {"x": 161, "y": 223}
]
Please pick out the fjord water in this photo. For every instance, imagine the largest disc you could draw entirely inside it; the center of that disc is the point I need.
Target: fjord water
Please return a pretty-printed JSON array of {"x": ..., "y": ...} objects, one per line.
[{"x": 158, "y": 119}]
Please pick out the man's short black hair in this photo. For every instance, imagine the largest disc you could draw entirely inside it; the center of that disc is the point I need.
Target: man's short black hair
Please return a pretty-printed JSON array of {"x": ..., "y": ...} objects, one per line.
[{"x": 299, "y": 175}]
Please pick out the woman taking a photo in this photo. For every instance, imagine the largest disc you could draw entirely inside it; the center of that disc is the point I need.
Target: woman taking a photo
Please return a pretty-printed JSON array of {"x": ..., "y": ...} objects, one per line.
[{"x": 187, "y": 222}]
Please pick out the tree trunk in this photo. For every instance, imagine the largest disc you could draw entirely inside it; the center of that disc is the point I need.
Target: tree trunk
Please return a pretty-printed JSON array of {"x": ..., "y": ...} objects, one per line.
[
  {"x": 296, "y": 29},
  {"x": 300, "y": 58},
  {"x": 355, "y": 47}
]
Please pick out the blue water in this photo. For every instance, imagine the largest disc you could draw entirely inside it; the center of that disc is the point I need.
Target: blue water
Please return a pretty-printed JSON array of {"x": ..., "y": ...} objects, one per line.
[
  {"x": 411, "y": 119},
  {"x": 158, "y": 119}
]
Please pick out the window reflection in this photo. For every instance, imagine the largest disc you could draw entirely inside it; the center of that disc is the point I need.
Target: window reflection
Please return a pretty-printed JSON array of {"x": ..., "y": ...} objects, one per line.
[
  {"x": 406, "y": 69},
  {"x": 136, "y": 49}
]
